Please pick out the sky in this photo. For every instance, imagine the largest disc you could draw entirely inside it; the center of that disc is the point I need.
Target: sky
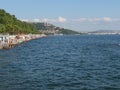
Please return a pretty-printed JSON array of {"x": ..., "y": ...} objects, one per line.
[{"x": 78, "y": 15}]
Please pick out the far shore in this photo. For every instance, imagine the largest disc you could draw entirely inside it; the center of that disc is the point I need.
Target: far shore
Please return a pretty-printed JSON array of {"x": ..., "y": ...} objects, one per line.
[{"x": 9, "y": 41}]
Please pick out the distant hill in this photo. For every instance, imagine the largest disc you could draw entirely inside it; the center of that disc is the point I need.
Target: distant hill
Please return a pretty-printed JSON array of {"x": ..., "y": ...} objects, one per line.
[
  {"x": 10, "y": 24},
  {"x": 106, "y": 31},
  {"x": 52, "y": 29}
]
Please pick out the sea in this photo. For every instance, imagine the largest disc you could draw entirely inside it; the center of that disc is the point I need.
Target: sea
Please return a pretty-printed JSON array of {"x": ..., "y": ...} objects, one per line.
[{"x": 68, "y": 62}]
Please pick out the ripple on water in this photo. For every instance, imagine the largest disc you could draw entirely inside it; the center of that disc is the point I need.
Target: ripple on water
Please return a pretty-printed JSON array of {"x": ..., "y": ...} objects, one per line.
[{"x": 80, "y": 62}]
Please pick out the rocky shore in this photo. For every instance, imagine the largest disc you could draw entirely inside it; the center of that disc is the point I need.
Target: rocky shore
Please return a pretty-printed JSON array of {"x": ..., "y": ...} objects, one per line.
[{"x": 9, "y": 41}]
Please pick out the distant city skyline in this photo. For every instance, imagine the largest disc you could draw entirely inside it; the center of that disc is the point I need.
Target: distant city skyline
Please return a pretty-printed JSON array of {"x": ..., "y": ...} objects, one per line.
[{"x": 79, "y": 15}]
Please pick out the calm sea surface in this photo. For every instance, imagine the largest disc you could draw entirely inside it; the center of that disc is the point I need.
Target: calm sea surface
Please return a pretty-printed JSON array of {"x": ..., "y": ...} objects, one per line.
[{"x": 79, "y": 62}]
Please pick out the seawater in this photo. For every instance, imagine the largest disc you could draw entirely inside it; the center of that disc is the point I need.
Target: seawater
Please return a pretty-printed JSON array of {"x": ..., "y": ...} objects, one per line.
[{"x": 73, "y": 62}]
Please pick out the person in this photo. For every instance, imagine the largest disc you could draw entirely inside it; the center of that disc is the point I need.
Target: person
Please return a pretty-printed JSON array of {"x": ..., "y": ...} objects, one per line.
[
  {"x": 11, "y": 43},
  {"x": 0, "y": 44},
  {"x": 6, "y": 44}
]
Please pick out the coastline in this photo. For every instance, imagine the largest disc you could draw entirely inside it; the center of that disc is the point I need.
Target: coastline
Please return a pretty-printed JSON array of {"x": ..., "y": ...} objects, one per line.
[{"x": 9, "y": 41}]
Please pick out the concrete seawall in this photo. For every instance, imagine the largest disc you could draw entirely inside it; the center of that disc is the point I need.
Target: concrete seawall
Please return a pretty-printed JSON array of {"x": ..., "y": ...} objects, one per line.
[{"x": 9, "y": 41}]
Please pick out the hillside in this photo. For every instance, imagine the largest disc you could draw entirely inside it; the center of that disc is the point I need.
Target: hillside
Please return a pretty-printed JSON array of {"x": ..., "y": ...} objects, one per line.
[
  {"x": 10, "y": 24},
  {"x": 51, "y": 29},
  {"x": 106, "y": 31}
]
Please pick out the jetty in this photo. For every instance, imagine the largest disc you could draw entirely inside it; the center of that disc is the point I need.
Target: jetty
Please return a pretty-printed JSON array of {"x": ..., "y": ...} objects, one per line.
[{"x": 9, "y": 41}]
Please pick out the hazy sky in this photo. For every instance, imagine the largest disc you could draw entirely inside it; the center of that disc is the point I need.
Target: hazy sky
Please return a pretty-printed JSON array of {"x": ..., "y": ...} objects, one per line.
[{"x": 79, "y": 15}]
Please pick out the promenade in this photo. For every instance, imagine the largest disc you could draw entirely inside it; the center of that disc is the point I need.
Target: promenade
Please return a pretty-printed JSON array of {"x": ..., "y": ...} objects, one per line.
[{"x": 9, "y": 41}]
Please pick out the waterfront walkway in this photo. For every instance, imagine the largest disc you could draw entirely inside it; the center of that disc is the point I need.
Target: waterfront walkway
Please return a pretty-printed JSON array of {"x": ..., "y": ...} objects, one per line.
[{"x": 9, "y": 41}]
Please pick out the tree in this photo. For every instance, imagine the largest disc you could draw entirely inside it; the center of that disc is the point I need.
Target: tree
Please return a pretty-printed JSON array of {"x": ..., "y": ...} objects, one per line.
[{"x": 10, "y": 24}]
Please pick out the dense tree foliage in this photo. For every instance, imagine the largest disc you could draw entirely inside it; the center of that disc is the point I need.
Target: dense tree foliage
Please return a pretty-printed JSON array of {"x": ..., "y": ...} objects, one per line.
[
  {"x": 67, "y": 31},
  {"x": 47, "y": 27},
  {"x": 10, "y": 24}
]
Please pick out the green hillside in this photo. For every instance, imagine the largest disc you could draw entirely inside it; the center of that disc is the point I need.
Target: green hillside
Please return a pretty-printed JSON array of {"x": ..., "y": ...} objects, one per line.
[
  {"x": 10, "y": 24},
  {"x": 51, "y": 29}
]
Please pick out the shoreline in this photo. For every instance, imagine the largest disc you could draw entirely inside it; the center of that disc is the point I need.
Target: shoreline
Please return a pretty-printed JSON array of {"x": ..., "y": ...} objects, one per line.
[{"x": 9, "y": 41}]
